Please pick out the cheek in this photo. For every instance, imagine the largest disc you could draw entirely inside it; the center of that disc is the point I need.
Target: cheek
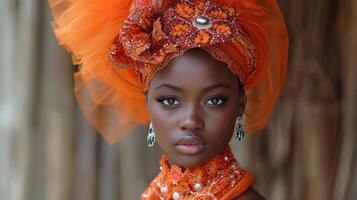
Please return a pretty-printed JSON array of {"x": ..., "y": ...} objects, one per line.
[
  {"x": 222, "y": 124},
  {"x": 157, "y": 117},
  {"x": 162, "y": 121}
]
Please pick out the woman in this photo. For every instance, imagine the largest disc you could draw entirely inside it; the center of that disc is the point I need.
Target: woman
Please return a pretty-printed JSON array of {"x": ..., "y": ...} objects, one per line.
[
  {"x": 193, "y": 69},
  {"x": 193, "y": 105}
]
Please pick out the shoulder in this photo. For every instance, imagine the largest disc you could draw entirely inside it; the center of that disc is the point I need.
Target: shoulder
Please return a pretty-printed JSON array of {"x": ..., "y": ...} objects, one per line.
[{"x": 250, "y": 194}]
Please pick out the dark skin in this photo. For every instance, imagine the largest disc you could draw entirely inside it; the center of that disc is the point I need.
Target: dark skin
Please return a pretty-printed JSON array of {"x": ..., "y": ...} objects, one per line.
[{"x": 195, "y": 95}]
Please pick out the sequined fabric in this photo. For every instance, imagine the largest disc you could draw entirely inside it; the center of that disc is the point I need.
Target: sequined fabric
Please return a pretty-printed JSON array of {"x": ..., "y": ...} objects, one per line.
[
  {"x": 151, "y": 39},
  {"x": 200, "y": 23},
  {"x": 220, "y": 176}
]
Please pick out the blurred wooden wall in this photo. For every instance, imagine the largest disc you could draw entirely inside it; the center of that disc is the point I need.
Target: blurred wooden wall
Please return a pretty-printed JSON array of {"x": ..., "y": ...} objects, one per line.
[{"x": 48, "y": 151}]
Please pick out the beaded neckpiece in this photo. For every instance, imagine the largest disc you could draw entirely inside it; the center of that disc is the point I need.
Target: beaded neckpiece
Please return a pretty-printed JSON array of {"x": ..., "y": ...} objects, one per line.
[{"x": 210, "y": 181}]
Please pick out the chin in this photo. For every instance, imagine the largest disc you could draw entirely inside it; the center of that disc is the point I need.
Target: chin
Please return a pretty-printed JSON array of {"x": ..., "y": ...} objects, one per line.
[{"x": 190, "y": 161}]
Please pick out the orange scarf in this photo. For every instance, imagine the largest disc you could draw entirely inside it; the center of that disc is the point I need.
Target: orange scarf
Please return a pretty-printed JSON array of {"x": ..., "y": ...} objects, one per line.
[{"x": 221, "y": 178}]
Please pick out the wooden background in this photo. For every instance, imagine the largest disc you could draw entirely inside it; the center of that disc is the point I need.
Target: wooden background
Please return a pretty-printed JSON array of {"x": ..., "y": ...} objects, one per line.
[{"x": 48, "y": 151}]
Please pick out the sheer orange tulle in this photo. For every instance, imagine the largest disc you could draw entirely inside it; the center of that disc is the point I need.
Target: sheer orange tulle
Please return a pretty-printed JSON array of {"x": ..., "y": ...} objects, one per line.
[{"x": 113, "y": 99}]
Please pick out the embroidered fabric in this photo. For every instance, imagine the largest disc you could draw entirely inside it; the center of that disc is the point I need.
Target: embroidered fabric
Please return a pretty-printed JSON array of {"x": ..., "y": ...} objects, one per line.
[
  {"x": 214, "y": 180},
  {"x": 151, "y": 39}
]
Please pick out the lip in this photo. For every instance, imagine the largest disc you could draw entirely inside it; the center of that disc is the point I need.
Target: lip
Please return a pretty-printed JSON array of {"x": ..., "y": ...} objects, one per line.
[{"x": 190, "y": 145}]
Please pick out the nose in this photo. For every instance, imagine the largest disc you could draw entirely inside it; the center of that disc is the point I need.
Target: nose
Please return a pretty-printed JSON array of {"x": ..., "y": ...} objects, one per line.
[{"x": 192, "y": 119}]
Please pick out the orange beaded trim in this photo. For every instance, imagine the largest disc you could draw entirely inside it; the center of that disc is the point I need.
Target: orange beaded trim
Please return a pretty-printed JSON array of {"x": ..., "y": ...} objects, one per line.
[{"x": 211, "y": 181}]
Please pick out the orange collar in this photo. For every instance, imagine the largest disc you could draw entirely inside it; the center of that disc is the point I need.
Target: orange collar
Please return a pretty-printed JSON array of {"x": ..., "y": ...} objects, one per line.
[{"x": 220, "y": 176}]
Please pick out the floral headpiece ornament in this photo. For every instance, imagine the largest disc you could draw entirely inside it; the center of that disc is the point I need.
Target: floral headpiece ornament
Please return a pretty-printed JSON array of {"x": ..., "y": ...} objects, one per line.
[
  {"x": 151, "y": 38},
  {"x": 120, "y": 45}
]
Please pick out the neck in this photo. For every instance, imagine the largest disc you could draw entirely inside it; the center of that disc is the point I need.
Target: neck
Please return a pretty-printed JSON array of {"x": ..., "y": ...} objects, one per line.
[
  {"x": 220, "y": 174},
  {"x": 226, "y": 152}
]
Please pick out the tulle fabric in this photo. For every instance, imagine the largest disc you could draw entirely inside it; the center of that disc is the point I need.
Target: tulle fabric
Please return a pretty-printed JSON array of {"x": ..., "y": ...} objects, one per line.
[{"x": 113, "y": 99}]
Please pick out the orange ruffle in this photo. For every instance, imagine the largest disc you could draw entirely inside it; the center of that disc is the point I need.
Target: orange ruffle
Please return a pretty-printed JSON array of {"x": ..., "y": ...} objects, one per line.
[{"x": 113, "y": 99}]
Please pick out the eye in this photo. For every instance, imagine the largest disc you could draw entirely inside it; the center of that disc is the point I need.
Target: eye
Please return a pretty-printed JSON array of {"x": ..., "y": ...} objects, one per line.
[
  {"x": 216, "y": 100},
  {"x": 168, "y": 100}
]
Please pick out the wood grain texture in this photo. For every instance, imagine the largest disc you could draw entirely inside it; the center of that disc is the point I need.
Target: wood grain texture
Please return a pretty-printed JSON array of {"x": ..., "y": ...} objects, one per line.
[{"x": 48, "y": 150}]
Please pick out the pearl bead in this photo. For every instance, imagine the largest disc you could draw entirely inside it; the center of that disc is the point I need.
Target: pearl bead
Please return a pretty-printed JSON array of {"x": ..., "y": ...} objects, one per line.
[
  {"x": 233, "y": 183},
  {"x": 164, "y": 189},
  {"x": 225, "y": 158},
  {"x": 197, "y": 186},
  {"x": 176, "y": 196}
]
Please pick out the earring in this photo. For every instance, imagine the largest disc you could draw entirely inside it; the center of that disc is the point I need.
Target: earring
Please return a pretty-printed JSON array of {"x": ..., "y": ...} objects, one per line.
[
  {"x": 238, "y": 129},
  {"x": 151, "y": 136}
]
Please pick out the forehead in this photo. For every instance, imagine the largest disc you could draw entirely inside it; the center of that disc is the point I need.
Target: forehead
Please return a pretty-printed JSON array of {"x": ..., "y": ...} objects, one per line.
[{"x": 193, "y": 68}]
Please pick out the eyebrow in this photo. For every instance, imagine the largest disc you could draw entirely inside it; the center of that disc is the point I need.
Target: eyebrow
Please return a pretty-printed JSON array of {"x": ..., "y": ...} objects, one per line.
[
  {"x": 166, "y": 85},
  {"x": 216, "y": 86}
]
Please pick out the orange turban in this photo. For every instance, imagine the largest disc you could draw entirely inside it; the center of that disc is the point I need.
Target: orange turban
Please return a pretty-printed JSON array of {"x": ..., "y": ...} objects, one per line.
[{"x": 120, "y": 45}]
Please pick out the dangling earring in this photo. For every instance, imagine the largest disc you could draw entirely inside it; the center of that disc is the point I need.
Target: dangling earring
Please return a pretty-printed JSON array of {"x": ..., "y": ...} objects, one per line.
[
  {"x": 151, "y": 136},
  {"x": 238, "y": 129}
]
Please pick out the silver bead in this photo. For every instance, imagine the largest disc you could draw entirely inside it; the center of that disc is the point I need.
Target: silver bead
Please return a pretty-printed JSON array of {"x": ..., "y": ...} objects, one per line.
[
  {"x": 202, "y": 21},
  {"x": 164, "y": 189},
  {"x": 197, "y": 186},
  {"x": 176, "y": 196}
]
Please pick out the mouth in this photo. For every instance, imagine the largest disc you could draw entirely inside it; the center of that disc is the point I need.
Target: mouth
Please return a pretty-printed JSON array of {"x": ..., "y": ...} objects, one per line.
[{"x": 190, "y": 145}]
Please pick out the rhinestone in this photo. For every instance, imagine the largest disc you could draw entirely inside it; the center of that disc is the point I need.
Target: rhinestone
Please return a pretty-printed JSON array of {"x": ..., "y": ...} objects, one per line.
[
  {"x": 197, "y": 186},
  {"x": 176, "y": 196},
  {"x": 202, "y": 22},
  {"x": 164, "y": 189},
  {"x": 225, "y": 158}
]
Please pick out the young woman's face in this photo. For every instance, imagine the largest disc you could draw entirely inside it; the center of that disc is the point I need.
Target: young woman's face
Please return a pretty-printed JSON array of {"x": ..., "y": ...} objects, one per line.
[{"x": 193, "y": 104}]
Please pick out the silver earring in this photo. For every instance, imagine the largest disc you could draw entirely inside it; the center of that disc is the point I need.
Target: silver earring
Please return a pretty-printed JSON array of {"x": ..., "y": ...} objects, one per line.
[
  {"x": 151, "y": 136},
  {"x": 238, "y": 129}
]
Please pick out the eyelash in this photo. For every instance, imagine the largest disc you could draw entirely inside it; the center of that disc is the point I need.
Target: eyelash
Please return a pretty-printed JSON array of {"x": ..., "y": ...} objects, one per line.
[
  {"x": 165, "y": 98},
  {"x": 219, "y": 98},
  {"x": 162, "y": 100}
]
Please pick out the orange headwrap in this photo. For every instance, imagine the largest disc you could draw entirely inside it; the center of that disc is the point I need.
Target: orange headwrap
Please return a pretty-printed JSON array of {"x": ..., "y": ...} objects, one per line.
[{"x": 121, "y": 44}]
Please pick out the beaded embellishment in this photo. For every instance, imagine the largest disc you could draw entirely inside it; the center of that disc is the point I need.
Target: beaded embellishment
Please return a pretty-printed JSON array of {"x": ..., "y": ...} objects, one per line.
[
  {"x": 148, "y": 39},
  {"x": 199, "y": 23},
  {"x": 210, "y": 181}
]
